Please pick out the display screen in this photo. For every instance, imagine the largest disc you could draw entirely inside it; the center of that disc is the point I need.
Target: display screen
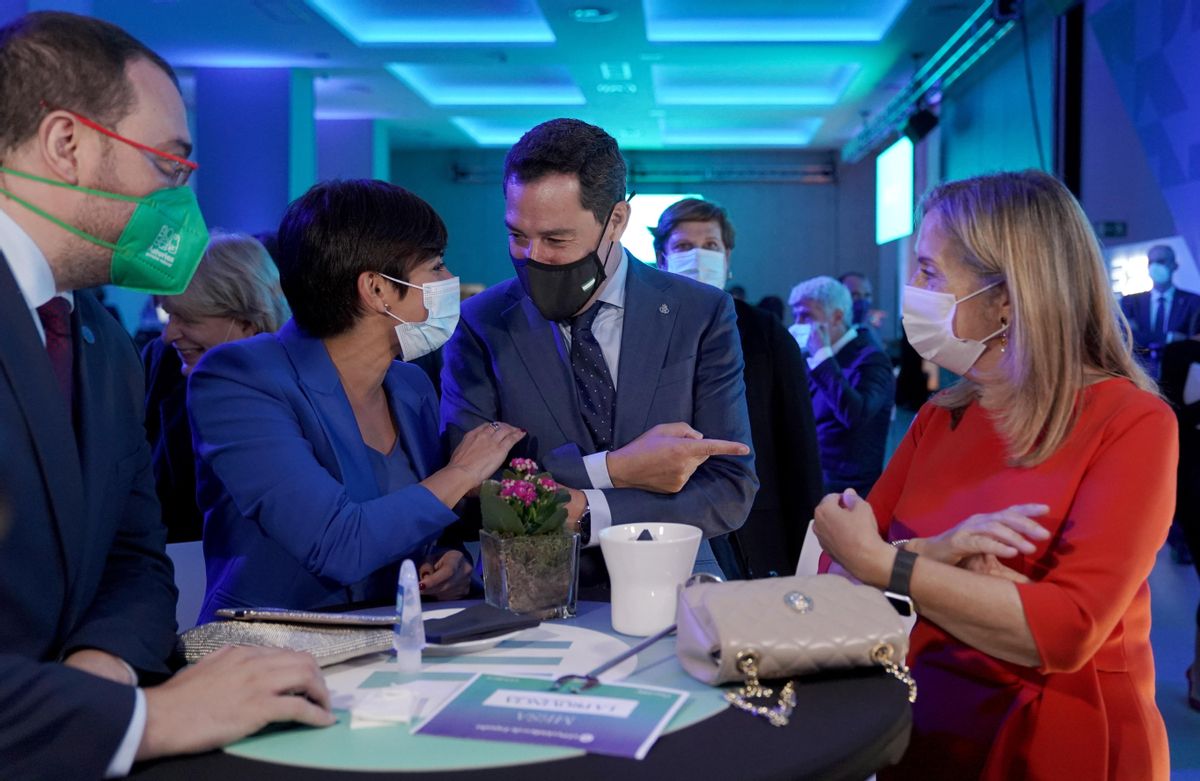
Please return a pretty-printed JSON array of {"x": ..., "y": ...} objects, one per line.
[{"x": 894, "y": 192}]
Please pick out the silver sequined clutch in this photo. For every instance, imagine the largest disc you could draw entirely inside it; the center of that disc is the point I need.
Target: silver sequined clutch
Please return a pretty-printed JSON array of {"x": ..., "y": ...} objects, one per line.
[{"x": 328, "y": 645}]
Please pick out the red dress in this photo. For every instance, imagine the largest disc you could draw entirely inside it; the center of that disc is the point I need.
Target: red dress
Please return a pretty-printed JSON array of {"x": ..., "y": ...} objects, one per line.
[{"x": 1088, "y": 712}]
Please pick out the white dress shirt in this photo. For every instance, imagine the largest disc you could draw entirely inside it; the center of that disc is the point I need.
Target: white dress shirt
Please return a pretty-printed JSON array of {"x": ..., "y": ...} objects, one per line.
[
  {"x": 35, "y": 280},
  {"x": 825, "y": 353}
]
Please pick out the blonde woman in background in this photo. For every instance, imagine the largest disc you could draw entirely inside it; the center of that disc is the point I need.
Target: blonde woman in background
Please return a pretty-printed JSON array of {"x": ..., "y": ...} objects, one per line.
[
  {"x": 1025, "y": 506},
  {"x": 234, "y": 294}
]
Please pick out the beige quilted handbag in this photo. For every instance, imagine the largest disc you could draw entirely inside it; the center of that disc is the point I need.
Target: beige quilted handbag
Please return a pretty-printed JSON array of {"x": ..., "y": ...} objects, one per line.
[{"x": 783, "y": 627}]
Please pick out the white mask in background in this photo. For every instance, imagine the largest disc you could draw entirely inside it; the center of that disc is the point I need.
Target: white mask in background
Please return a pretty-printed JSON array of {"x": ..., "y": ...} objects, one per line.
[
  {"x": 441, "y": 301},
  {"x": 928, "y": 319},
  {"x": 1160, "y": 273},
  {"x": 702, "y": 265},
  {"x": 801, "y": 332}
]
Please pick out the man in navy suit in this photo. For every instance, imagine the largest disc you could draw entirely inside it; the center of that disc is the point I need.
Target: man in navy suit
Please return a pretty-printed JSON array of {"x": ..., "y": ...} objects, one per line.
[
  {"x": 1164, "y": 314},
  {"x": 628, "y": 379},
  {"x": 87, "y": 599},
  {"x": 853, "y": 388}
]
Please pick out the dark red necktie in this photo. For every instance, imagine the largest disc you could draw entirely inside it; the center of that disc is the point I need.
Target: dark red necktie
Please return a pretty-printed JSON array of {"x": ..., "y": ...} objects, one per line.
[{"x": 55, "y": 315}]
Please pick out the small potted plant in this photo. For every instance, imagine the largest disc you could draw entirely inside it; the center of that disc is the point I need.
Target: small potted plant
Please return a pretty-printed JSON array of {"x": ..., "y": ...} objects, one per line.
[{"x": 530, "y": 562}]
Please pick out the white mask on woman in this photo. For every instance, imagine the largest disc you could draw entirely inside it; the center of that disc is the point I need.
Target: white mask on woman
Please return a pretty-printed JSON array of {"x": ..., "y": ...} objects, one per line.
[
  {"x": 702, "y": 265},
  {"x": 441, "y": 301},
  {"x": 928, "y": 318}
]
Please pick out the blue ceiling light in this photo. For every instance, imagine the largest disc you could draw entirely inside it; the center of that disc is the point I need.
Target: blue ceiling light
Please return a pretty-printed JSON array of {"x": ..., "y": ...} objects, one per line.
[
  {"x": 387, "y": 22},
  {"x": 673, "y": 21},
  {"x": 490, "y": 133},
  {"x": 491, "y": 85},
  {"x": 789, "y": 134},
  {"x": 801, "y": 84}
]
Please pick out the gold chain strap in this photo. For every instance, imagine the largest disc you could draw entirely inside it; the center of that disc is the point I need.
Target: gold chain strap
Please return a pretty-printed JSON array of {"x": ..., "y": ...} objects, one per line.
[
  {"x": 882, "y": 654},
  {"x": 744, "y": 698},
  {"x": 779, "y": 714}
]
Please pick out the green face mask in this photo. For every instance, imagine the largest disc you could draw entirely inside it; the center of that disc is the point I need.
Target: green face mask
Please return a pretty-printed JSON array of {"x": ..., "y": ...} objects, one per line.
[{"x": 161, "y": 245}]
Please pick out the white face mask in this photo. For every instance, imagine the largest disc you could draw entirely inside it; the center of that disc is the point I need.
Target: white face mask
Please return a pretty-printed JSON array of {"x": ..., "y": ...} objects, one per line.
[
  {"x": 928, "y": 319},
  {"x": 441, "y": 301},
  {"x": 1160, "y": 273},
  {"x": 702, "y": 265},
  {"x": 801, "y": 332}
]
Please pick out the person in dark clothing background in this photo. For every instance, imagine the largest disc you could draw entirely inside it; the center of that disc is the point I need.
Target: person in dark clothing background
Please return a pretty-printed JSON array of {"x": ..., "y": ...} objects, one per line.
[{"x": 695, "y": 238}]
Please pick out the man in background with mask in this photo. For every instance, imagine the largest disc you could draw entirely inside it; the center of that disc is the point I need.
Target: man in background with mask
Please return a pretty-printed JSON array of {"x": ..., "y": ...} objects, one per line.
[
  {"x": 628, "y": 380},
  {"x": 1163, "y": 314},
  {"x": 853, "y": 388},
  {"x": 695, "y": 239},
  {"x": 862, "y": 294},
  {"x": 93, "y": 148}
]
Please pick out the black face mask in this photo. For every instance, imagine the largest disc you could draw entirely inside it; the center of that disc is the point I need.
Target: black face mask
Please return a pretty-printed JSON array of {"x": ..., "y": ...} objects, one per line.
[
  {"x": 861, "y": 308},
  {"x": 559, "y": 291}
]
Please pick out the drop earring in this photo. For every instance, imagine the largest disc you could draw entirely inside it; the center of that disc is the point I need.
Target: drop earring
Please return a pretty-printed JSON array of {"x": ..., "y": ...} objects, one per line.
[{"x": 1004, "y": 336}]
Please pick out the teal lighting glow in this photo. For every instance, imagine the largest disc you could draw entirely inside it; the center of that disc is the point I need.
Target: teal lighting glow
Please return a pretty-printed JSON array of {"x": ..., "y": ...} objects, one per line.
[
  {"x": 385, "y": 22},
  {"x": 894, "y": 192},
  {"x": 794, "y": 133},
  {"x": 644, "y": 211},
  {"x": 488, "y": 85},
  {"x": 718, "y": 85},
  {"x": 488, "y": 133},
  {"x": 676, "y": 21}
]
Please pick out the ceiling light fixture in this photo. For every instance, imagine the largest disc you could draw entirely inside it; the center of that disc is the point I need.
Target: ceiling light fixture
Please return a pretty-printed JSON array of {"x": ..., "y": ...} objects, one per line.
[{"x": 592, "y": 14}]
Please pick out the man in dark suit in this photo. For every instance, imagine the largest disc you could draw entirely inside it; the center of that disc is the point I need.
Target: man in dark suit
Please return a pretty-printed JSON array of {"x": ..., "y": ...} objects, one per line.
[
  {"x": 628, "y": 380},
  {"x": 1163, "y": 314},
  {"x": 87, "y": 599},
  {"x": 853, "y": 388},
  {"x": 695, "y": 238}
]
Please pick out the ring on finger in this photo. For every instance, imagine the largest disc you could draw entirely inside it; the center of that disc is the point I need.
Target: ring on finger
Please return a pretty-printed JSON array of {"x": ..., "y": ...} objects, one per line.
[{"x": 495, "y": 426}]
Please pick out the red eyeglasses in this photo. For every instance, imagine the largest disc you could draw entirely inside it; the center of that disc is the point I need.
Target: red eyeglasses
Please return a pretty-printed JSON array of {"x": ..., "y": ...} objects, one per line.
[{"x": 177, "y": 169}]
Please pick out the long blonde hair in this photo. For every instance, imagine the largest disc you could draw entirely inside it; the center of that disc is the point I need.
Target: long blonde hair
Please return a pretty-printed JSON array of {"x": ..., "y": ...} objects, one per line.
[{"x": 1026, "y": 229}]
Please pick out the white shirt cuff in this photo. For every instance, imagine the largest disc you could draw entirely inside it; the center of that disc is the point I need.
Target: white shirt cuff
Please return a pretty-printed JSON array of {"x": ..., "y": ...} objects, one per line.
[
  {"x": 601, "y": 515},
  {"x": 122, "y": 761},
  {"x": 596, "y": 465},
  {"x": 819, "y": 357}
]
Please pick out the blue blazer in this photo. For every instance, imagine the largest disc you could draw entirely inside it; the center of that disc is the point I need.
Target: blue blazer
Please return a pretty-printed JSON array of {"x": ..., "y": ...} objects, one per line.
[
  {"x": 681, "y": 360},
  {"x": 82, "y": 559},
  {"x": 293, "y": 514}
]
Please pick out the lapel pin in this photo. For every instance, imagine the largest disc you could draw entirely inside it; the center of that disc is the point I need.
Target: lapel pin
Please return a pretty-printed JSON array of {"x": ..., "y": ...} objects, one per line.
[
  {"x": 87, "y": 334},
  {"x": 663, "y": 309}
]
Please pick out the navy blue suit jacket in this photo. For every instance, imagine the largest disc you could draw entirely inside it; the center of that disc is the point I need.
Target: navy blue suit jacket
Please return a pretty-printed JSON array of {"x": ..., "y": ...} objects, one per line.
[
  {"x": 680, "y": 361},
  {"x": 1185, "y": 315},
  {"x": 853, "y": 394},
  {"x": 82, "y": 562},
  {"x": 294, "y": 516}
]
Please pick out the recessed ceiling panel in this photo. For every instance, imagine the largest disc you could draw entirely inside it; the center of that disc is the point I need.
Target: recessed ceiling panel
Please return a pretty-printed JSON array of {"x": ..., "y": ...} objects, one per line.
[
  {"x": 491, "y": 85},
  {"x": 488, "y": 132},
  {"x": 382, "y": 22},
  {"x": 769, "y": 20},
  {"x": 753, "y": 132},
  {"x": 730, "y": 85}
]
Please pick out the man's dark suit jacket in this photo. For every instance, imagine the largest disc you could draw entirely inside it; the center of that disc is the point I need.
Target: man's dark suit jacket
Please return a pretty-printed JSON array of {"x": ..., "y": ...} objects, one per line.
[
  {"x": 82, "y": 563},
  {"x": 170, "y": 435},
  {"x": 1185, "y": 314},
  {"x": 784, "y": 434},
  {"x": 853, "y": 394}
]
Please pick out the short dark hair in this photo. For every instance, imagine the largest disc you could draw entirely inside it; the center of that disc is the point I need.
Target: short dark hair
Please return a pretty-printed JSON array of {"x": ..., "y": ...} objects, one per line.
[
  {"x": 54, "y": 60},
  {"x": 849, "y": 274},
  {"x": 339, "y": 229},
  {"x": 691, "y": 210},
  {"x": 570, "y": 146}
]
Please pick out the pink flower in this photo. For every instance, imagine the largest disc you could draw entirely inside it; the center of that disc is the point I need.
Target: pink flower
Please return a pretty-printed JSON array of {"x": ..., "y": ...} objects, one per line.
[
  {"x": 519, "y": 490},
  {"x": 523, "y": 465},
  {"x": 546, "y": 484}
]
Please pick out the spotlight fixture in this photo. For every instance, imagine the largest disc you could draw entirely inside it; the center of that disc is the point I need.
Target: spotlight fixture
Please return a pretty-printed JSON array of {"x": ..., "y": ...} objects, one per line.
[{"x": 920, "y": 123}]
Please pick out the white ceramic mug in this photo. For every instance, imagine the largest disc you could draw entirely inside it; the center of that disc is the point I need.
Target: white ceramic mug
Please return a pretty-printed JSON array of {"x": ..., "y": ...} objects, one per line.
[{"x": 646, "y": 574}]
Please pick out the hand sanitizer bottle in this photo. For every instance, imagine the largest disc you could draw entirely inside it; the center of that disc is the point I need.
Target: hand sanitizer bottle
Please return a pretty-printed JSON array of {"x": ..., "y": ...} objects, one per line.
[{"x": 409, "y": 636}]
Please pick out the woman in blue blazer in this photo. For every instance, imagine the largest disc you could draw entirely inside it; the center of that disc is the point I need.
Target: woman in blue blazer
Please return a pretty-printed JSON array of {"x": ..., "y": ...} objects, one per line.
[{"x": 319, "y": 462}]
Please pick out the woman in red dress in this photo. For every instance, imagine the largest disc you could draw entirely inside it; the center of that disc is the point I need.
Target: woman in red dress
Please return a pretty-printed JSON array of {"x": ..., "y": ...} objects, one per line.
[{"x": 1027, "y": 502}]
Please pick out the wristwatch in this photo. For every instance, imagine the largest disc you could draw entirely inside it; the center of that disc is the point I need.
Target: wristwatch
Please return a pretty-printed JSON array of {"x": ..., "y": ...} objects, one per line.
[
  {"x": 897, "y": 590},
  {"x": 585, "y": 523}
]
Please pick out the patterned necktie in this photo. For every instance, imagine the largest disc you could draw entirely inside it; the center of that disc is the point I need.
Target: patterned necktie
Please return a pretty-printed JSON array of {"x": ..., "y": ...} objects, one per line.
[
  {"x": 1158, "y": 330},
  {"x": 597, "y": 396},
  {"x": 55, "y": 315}
]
